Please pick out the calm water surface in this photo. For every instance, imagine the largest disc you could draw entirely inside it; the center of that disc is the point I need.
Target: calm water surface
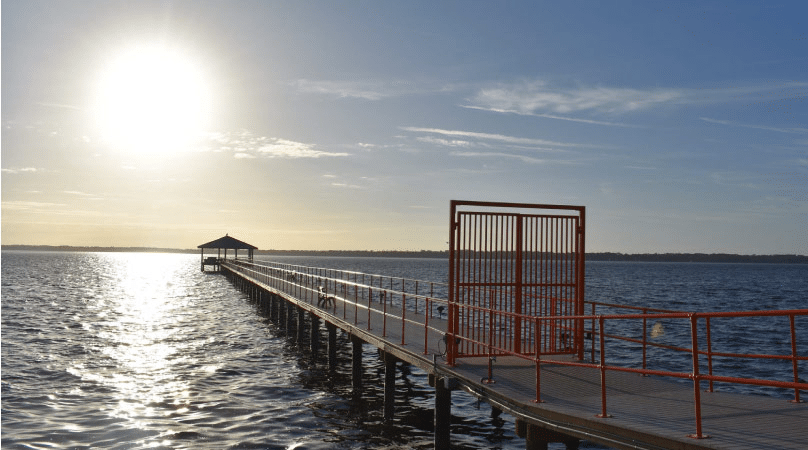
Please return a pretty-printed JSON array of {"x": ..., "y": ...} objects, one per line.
[{"x": 128, "y": 350}]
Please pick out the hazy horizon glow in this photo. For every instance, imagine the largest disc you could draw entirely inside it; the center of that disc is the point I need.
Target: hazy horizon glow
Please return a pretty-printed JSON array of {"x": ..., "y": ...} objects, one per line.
[{"x": 320, "y": 126}]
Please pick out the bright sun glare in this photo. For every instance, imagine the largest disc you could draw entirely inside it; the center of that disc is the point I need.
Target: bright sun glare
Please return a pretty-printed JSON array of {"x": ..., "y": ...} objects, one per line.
[{"x": 152, "y": 99}]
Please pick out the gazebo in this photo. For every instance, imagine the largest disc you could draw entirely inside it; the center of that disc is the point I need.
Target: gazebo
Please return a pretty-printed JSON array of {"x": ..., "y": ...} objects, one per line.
[{"x": 224, "y": 243}]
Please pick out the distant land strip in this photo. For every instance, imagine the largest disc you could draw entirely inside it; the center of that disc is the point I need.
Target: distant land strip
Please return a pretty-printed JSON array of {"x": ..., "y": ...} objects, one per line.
[{"x": 602, "y": 256}]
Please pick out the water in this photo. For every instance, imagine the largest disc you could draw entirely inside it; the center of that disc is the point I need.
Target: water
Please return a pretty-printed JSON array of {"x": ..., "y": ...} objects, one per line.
[{"x": 128, "y": 350}]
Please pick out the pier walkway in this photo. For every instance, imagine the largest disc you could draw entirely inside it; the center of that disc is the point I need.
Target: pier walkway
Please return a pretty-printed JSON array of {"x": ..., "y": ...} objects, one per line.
[
  {"x": 512, "y": 328},
  {"x": 555, "y": 397}
]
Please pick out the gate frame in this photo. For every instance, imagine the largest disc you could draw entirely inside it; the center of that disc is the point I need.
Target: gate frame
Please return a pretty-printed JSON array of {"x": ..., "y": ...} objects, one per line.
[{"x": 452, "y": 338}]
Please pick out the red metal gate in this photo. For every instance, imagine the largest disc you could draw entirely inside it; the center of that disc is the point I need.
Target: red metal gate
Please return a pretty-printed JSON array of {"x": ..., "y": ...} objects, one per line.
[{"x": 507, "y": 265}]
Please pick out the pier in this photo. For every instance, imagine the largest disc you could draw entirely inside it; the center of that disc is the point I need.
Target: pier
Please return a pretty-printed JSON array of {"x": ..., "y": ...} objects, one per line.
[{"x": 512, "y": 328}]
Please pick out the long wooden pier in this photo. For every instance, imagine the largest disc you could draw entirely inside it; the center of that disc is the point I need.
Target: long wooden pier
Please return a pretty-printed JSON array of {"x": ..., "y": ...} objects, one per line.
[
  {"x": 512, "y": 328},
  {"x": 554, "y": 397}
]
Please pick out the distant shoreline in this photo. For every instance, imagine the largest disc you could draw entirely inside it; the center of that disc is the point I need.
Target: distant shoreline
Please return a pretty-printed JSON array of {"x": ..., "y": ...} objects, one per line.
[{"x": 602, "y": 256}]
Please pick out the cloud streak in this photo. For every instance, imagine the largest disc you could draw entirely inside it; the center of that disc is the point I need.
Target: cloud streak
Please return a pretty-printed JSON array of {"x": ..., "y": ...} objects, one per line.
[
  {"x": 372, "y": 91},
  {"x": 551, "y": 116},
  {"x": 523, "y": 158},
  {"x": 538, "y": 97},
  {"x": 543, "y": 99},
  {"x": 492, "y": 137},
  {"x": 21, "y": 170},
  {"x": 730, "y": 123},
  {"x": 245, "y": 145}
]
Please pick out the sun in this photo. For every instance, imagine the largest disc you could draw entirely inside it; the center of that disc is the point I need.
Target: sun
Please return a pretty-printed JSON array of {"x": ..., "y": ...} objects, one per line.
[{"x": 151, "y": 99}]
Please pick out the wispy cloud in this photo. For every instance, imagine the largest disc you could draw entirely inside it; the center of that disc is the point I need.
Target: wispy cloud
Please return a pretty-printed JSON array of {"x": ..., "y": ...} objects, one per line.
[
  {"x": 245, "y": 145},
  {"x": 31, "y": 206},
  {"x": 350, "y": 89},
  {"x": 557, "y": 101},
  {"x": 284, "y": 148},
  {"x": 445, "y": 142},
  {"x": 523, "y": 158},
  {"x": 22, "y": 170},
  {"x": 492, "y": 137},
  {"x": 731, "y": 123},
  {"x": 59, "y": 106},
  {"x": 539, "y": 97},
  {"x": 551, "y": 116}
]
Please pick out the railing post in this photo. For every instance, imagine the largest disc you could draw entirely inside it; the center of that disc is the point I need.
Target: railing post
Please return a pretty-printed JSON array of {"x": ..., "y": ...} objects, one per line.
[
  {"x": 592, "y": 334},
  {"x": 403, "y": 316},
  {"x": 709, "y": 352},
  {"x": 644, "y": 337},
  {"x": 427, "y": 313},
  {"x": 794, "y": 359},
  {"x": 696, "y": 377},
  {"x": 603, "y": 413},
  {"x": 538, "y": 364}
]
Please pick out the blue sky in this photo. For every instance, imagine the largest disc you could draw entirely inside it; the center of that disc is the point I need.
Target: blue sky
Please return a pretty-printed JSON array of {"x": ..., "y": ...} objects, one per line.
[{"x": 682, "y": 127}]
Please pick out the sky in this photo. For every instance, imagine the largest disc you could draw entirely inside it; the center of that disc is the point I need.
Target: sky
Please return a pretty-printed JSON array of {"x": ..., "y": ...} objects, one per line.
[{"x": 332, "y": 125}]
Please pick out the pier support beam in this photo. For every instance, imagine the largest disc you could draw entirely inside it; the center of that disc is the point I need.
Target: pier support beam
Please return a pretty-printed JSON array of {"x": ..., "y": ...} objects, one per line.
[
  {"x": 356, "y": 365},
  {"x": 314, "y": 337},
  {"x": 389, "y": 386},
  {"x": 290, "y": 316},
  {"x": 282, "y": 313},
  {"x": 443, "y": 413},
  {"x": 301, "y": 324},
  {"x": 538, "y": 438},
  {"x": 273, "y": 307},
  {"x": 332, "y": 346}
]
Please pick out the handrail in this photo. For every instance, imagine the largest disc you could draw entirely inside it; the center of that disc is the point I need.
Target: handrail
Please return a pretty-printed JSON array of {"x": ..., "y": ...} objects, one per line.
[
  {"x": 402, "y": 307},
  {"x": 304, "y": 284}
]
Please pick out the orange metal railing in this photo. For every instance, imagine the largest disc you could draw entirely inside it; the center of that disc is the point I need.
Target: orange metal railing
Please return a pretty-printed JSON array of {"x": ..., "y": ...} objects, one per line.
[
  {"x": 700, "y": 345},
  {"x": 623, "y": 330},
  {"x": 398, "y": 302}
]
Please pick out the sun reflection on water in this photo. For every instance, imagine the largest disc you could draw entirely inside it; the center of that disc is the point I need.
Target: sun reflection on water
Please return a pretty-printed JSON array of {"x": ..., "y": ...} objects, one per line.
[{"x": 140, "y": 324}]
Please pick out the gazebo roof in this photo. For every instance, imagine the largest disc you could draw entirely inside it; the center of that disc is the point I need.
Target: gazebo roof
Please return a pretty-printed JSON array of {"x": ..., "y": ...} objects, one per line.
[{"x": 228, "y": 243}]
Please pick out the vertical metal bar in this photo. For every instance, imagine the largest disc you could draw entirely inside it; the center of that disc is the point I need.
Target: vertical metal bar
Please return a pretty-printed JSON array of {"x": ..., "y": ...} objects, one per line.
[
  {"x": 403, "y": 316},
  {"x": 370, "y": 299},
  {"x": 517, "y": 345},
  {"x": 538, "y": 363},
  {"x": 794, "y": 358},
  {"x": 709, "y": 352},
  {"x": 579, "y": 288},
  {"x": 427, "y": 313},
  {"x": 644, "y": 337},
  {"x": 695, "y": 375},
  {"x": 501, "y": 290},
  {"x": 542, "y": 278},
  {"x": 603, "y": 413},
  {"x": 450, "y": 330}
]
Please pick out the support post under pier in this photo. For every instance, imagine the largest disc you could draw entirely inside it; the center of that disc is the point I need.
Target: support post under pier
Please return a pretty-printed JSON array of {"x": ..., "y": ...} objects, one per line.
[
  {"x": 443, "y": 413},
  {"x": 389, "y": 386},
  {"x": 356, "y": 365},
  {"x": 301, "y": 324},
  {"x": 314, "y": 336},
  {"x": 332, "y": 346},
  {"x": 290, "y": 315},
  {"x": 538, "y": 438}
]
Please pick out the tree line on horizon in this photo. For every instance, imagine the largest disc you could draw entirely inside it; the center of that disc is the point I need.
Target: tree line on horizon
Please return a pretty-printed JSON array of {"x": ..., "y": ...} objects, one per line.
[{"x": 595, "y": 256}]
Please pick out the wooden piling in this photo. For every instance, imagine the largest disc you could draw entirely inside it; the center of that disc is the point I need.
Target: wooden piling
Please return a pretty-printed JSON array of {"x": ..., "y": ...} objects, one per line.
[
  {"x": 539, "y": 438},
  {"x": 332, "y": 346},
  {"x": 443, "y": 414},
  {"x": 356, "y": 365},
  {"x": 301, "y": 325},
  {"x": 389, "y": 386},
  {"x": 314, "y": 335}
]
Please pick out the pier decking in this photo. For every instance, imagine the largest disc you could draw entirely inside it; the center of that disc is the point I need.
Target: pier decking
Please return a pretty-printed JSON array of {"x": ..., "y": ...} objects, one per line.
[{"x": 641, "y": 411}]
